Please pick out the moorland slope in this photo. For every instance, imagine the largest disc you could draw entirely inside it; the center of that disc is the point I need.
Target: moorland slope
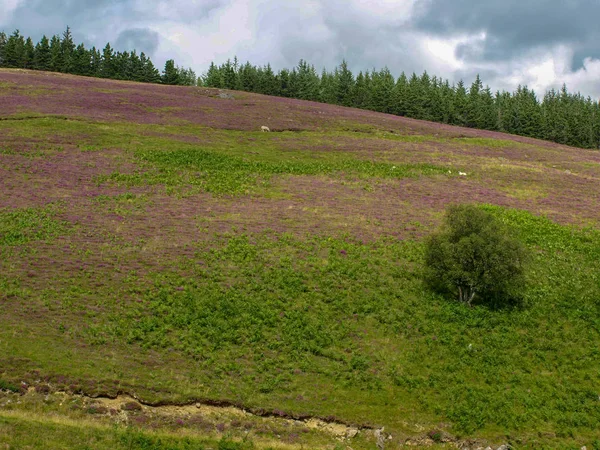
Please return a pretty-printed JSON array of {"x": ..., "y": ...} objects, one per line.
[{"x": 155, "y": 244}]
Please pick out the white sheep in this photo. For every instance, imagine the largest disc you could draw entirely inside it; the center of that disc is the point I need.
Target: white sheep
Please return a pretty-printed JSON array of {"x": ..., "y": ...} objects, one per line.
[
  {"x": 264, "y": 128},
  {"x": 462, "y": 174}
]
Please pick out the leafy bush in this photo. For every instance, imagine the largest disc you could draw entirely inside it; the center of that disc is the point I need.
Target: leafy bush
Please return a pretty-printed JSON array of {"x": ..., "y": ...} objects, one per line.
[{"x": 475, "y": 256}]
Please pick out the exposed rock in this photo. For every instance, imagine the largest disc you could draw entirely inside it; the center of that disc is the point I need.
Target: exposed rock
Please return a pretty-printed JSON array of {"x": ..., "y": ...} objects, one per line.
[
  {"x": 380, "y": 438},
  {"x": 351, "y": 433}
]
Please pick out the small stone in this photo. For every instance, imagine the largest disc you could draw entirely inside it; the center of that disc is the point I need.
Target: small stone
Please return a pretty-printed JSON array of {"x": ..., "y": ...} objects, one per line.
[
  {"x": 503, "y": 447},
  {"x": 351, "y": 433}
]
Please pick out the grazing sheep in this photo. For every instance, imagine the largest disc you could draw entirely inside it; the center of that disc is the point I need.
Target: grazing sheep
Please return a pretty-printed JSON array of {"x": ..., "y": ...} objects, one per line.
[
  {"x": 462, "y": 174},
  {"x": 264, "y": 128}
]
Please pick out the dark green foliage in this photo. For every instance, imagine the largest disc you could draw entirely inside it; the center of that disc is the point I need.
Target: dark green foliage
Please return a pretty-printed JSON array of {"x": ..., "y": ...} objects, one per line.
[
  {"x": 170, "y": 73},
  {"x": 474, "y": 256},
  {"x": 3, "y": 40},
  {"x": 41, "y": 59},
  {"x": 67, "y": 48},
  {"x": 14, "y": 51},
  {"x": 61, "y": 54},
  {"x": 7, "y": 386},
  {"x": 19, "y": 226},
  {"x": 565, "y": 118}
]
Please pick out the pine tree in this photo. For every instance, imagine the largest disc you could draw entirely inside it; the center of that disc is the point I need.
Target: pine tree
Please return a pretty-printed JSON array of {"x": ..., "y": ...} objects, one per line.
[
  {"x": 399, "y": 95},
  {"x": 268, "y": 83},
  {"x": 3, "y": 40},
  {"x": 248, "y": 78},
  {"x": 307, "y": 82},
  {"x": 150, "y": 73},
  {"x": 461, "y": 105},
  {"x": 361, "y": 96},
  {"x": 327, "y": 88},
  {"x": 213, "y": 77},
  {"x": 170, "y": 74},
  {"x": 56, "y": 59},
  {"x": 474, "y": 114},
  {"x": 186, "y": 77},
  {"x": 14, "y": 50},
  {"x": 383, "y": 84},
  {"x": 41, "y": 59},
  {"x": 28, "y": 54},
  {"x": 412, "y": 95},
  {"x": 344, "y": 85},
  {"x": 67, "y": 48},
  {"x": 81, "y": 61},
  {"x": 95, "y": 62},
  {"x": 106, "y": 65}
]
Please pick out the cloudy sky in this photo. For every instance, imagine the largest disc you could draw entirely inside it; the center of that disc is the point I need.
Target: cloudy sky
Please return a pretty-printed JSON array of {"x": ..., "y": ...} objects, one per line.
[{"x": 540, "y": 43}]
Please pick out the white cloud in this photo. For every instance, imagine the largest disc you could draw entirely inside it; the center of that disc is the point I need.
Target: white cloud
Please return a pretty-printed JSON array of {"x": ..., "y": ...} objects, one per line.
[{"x": 7, "y": 7}]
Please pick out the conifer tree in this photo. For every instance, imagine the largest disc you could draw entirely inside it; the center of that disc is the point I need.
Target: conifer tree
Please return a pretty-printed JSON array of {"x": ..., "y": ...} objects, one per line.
[
  {"x": 399, "y": 95},
  {"x": 81, "y": 61},
  {"x": 95, "y": 62},
  {"x": 14, "y": 50},
  {"x": 28, "y": 54},
  {"x": 213, "y": 77},
  {"x": 67, "y": 48},
  {"x": 306, "y": 82},
  {"x": 41, "y": 59},
  {"x": 461, "y": 105},
  {"x": 383, "y": 84},
  {"x": 170, "y": 74},
  {"x": 106, "y": 65},
  {"x": 327, "y": 92},
  {"x": 3, "y": 40},
  {"x": 56, "y": 60},
  {"x": 474, "y": 114},
  {"x": 344, "y": 84},
  {"x": 361, "y": 96}
]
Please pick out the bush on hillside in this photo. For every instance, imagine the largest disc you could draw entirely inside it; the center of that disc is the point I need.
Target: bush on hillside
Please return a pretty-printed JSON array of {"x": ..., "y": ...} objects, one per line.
[{"x": 474, "y": 256}]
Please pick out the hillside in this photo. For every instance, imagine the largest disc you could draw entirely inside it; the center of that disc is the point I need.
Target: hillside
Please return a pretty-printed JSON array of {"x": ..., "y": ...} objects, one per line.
[{"x": 156, "y": 247}]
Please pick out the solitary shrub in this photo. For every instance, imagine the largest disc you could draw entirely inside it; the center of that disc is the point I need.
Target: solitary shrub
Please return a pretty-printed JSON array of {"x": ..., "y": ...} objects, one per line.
[{"x": 474, "y": 256}]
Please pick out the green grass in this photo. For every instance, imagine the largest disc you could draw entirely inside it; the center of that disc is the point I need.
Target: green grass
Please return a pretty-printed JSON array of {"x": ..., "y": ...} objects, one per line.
[
  {"x": 29, "y": 431},
  {"x": 226, "y": 174},
  {"x": 21, "y": 226},
  {"x": 337, "y": 326},
  {"x": 272, "y": 312}
]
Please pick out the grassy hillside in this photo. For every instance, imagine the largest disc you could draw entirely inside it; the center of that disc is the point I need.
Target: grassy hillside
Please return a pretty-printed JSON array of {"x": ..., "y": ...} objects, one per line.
[{"x": 153, "y": 242}]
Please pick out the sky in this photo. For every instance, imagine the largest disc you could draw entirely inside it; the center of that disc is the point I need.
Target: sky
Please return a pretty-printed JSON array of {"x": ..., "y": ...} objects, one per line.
[{"x": 538, "y": 43}]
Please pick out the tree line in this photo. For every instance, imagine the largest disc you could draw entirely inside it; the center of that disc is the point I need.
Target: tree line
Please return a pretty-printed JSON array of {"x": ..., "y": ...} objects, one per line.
[
  {"x": 61, "y": 54},
  {"x": 560, "y": 116}
]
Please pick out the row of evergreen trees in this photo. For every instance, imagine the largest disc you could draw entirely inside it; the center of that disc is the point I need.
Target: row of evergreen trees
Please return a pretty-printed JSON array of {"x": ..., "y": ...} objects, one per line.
[
  {"x": 60, "y": 54},
  {"x": 560, "y": 116}
]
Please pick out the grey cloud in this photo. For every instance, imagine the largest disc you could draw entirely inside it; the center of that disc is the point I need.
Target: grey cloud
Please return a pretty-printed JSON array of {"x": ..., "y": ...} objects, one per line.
[
  {"x": 514, "y": 27},
  {"x": 140, "y": 39},
  {"x": 340, "y": 32}
]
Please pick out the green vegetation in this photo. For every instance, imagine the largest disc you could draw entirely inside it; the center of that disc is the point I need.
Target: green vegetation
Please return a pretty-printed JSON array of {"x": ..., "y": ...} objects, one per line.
[
  {"x": 18, "y": 227},
  {"x": 561, "y": 117},
  {"x": 288, "y": 281},
  {"x": 475, "y": 256},
  {"x": 226, "y": 174},
  {"x": 30, "y": 431},
  {"x": 61, "y": 54}
]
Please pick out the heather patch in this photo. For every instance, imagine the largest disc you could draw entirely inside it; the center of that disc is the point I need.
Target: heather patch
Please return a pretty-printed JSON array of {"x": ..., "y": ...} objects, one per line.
[{"x": 285, "y": 272}]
